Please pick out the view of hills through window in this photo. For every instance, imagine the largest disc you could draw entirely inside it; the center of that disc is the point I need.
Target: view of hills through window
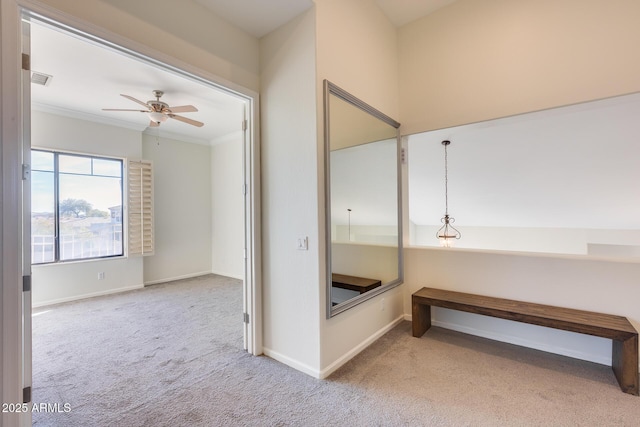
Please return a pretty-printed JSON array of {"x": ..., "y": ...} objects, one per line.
[{"x": 76, "y": 207}]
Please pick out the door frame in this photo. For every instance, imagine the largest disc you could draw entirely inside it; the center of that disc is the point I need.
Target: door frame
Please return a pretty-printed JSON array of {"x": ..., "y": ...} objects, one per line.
[{"x": 14, "y": 113}]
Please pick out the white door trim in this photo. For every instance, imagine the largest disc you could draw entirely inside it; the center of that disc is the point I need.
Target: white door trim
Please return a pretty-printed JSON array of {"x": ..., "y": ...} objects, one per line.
[{"x": 11, "y": 327}]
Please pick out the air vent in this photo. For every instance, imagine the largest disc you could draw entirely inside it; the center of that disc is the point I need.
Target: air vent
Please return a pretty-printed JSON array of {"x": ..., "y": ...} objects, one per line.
[{"x": 40, "y": 78}]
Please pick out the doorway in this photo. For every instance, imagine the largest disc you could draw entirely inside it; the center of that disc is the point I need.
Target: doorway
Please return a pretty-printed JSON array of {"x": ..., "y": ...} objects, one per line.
[{"x": 247, "y": 135}]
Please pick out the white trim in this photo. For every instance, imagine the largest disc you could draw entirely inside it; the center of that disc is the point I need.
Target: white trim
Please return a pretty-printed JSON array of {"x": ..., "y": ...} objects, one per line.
[
  {"x": 87, "y": 117},
  {"x": 291, "y": 363},
  {"x": 11, "y": 147},
  {"x": 85, "y": 296},
  {"x": 253, "y": 227},
  {"x": 233, "y": 276},
  {"x": 172, "y": 279},
  {"x": 357, "y": 349},
  {"x": 338, "y": 363}
]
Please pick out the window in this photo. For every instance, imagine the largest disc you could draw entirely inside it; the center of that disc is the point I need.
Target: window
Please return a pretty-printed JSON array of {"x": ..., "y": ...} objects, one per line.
[{"x": 76, "y": 207}]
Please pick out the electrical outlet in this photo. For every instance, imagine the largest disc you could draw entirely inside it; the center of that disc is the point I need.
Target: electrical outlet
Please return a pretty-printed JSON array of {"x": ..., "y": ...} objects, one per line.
[
  {"x": 382, "y": 304},
  {"x": 101, "y": 275},
  {"x": 303, "y": 243}
]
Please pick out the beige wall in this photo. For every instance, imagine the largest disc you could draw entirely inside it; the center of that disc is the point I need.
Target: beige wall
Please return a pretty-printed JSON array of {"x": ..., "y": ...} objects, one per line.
[
  {"x": 476, "y": 60},
  {"x": 182, "y": 209},
  {"x": 290, "y": 277}
]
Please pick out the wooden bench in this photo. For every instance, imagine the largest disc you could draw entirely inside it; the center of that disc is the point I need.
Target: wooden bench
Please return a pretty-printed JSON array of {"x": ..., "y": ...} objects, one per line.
[
  {"x": 353, "y": 283},
  {"x": 617, "y": 328}
]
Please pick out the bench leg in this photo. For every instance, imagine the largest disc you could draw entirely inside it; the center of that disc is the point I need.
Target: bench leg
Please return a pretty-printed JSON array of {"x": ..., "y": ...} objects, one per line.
[
  {"x": 625, "y": 364},
  {"x": 421, "y": 318}
]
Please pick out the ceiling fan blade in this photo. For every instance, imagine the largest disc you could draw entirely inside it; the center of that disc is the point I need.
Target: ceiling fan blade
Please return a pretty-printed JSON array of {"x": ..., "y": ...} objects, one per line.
[
  {"x": 120, "y": 109},
  {"x": 183, "y": 109},
  {"x": 186, "y": 120},
  {"x": 153, "y": 124},
  {"x": 135, "y": 100}
]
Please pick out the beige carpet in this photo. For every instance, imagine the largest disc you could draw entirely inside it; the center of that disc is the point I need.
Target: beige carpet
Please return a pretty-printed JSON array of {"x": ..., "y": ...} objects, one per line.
[{"x": 170, "y": 355}]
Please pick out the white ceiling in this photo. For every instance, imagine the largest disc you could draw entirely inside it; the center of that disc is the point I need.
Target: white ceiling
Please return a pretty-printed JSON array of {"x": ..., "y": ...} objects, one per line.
[{"x": 87, "y": 78}]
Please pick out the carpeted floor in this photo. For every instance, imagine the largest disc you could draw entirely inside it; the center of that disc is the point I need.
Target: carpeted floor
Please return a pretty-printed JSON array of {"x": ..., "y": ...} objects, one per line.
[{"x": 171, "y": 355}]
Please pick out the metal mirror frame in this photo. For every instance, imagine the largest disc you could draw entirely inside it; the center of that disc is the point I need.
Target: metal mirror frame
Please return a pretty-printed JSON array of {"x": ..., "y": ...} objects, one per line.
[{"x": 332, "y": 89}]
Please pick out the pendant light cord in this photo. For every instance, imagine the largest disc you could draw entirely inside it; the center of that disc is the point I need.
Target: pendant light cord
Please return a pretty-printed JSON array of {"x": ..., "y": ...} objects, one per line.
[{"x": 446, "y": 179}]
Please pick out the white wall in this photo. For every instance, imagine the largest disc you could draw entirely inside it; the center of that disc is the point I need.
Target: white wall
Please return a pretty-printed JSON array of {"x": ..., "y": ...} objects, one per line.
[
  {"x": 357, "y": 50},
  {"x": 227, "y": 208},
  {"x": 182, "y": 209},
  {"x": 72, "y": 280},
  {"x": 292, "y": 289}
]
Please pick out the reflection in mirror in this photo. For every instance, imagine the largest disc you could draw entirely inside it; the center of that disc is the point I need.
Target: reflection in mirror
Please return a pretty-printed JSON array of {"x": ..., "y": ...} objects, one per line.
[
  {"x": 363, "y": 208},
  {"x": 562, "y": 181}
]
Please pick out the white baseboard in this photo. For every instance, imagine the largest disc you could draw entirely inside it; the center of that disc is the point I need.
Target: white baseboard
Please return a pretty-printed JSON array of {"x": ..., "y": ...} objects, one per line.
[
  {"x": 171, "y": 279},
  {"x": 338, "y": 363},
  {"x": 233, "y": 276},
  {"x": 85, "y": 296},
  {"x": 516, "y": 340},
  {"x": 357, "y": 349},
  {"x": 291, "y": 362},
  {"x": 523, "y": 342}
]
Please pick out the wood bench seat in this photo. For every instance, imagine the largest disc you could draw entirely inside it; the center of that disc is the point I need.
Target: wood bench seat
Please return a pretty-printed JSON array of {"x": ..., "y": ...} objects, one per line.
[
  {"x": 617, "y": 328},
  {"x": 354, "y": 283}
]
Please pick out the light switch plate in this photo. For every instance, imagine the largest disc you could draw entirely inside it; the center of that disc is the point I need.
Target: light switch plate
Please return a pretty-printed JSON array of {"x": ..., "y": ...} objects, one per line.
[{"x": 303, "y": 243}]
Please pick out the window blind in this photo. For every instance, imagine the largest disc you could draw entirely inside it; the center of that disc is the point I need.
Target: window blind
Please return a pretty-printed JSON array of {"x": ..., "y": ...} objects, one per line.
[{"x": 140, "y": 195}]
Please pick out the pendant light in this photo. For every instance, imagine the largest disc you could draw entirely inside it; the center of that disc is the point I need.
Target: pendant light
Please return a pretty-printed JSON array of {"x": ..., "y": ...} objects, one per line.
[{"x": 447, "y": 234}]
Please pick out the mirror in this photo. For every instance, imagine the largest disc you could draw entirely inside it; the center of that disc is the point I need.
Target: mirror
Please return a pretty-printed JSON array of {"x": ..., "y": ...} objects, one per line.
[
  {"x": 363, "y": 209},
  {"x": 560, "y": 181}
]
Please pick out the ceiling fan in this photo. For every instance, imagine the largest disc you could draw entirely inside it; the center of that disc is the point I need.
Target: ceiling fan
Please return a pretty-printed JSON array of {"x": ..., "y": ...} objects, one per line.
[{"x": 159, "y": 111}]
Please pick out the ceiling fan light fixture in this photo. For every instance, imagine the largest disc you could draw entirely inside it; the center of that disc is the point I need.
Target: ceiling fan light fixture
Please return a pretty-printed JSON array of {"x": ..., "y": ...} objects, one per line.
[
  {"x": 158, "y": 117},
  {"x": 159, "y": 112}
]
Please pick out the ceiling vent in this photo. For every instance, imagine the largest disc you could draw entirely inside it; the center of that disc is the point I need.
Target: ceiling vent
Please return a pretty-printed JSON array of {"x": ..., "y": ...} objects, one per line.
[{"x": 40, "y": 78}]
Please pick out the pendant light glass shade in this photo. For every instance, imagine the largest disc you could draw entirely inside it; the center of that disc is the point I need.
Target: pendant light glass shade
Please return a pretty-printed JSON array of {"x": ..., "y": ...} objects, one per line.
[{"x": 447, "y": 233}]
